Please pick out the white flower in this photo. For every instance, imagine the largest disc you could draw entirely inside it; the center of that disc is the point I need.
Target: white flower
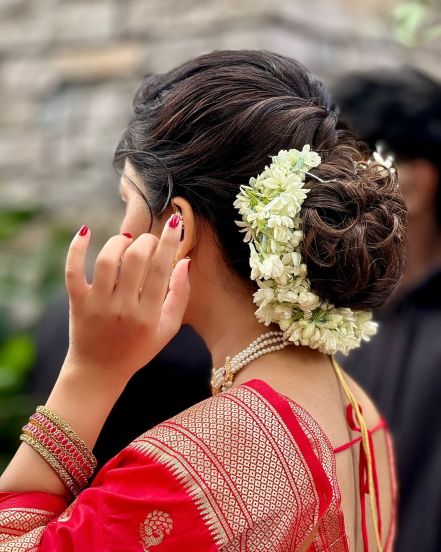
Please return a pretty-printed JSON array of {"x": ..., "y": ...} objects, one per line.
[
  {"x": 245, "y": 227},
  {"x": 270, "y": 208},
  {"x": 282, "y": 312},
  {"x": 308, "y": 158},
  {"x": 312, "y": 159},
  {"x": 284, "y": 324},
  {"x": 265, "y": 314},
  {"x": 286, "y": 295},
  {"x": 281, "y": 231},
  {"x": 264, "y": 295},
  {"x": 256, "y": 272},
  {"x": 386, "y": 162},
  {"x": 272, "y": 267},
  {"x": 294, "y": 259},
  {"x": 308, "y": 301}
]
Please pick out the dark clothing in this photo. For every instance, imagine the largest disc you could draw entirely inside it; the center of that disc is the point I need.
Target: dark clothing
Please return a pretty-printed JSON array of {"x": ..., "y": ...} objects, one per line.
[
  {"x": 401, "y": 369},
  {"x": 177, "y": 378}
]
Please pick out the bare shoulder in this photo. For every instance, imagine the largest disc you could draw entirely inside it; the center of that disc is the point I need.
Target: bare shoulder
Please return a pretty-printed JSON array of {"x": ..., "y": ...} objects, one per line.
[{"x": 370, "y": 411}]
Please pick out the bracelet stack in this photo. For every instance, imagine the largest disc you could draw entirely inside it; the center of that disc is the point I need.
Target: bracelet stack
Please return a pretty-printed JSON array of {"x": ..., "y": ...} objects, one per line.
[{"x": 58, "y": 444}]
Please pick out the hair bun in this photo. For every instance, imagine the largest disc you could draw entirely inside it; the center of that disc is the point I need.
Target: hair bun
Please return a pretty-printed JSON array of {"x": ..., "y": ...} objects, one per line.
[{"x": 354, "y": 236}]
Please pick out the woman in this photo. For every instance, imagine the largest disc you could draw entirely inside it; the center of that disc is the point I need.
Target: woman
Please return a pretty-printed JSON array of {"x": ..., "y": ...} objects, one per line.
[{"x": 289, "y": 454}]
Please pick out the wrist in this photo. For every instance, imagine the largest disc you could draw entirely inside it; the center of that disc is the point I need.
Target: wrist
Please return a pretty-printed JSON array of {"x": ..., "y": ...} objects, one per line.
[
  {"x": 84, "y": 398},
  {"x": 47, "y": 462},
  {"x": 92, "y": 375}
]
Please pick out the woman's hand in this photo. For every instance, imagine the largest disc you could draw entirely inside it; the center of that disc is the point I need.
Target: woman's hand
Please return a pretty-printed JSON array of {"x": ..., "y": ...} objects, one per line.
[
  {"x": 132, "y": 308},
  {"x": 114, "y": 330}
]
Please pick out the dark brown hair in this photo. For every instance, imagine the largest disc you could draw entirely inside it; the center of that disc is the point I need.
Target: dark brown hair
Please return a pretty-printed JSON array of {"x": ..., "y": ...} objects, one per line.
[{"x": 205, "y": 128}]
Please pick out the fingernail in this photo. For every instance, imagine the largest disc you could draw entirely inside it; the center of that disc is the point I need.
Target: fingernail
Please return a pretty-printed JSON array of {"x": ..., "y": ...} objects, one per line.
[
  {"x": 127, "y": 235},
  {"x": 188, "y": 266},
  {"x": 174, "y": 221},
  {"x": 83, "y": 230}
]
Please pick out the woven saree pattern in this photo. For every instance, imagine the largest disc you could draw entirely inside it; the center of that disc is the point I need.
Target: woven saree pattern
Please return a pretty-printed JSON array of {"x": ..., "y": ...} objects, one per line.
[{"x": 243, "y": 468}]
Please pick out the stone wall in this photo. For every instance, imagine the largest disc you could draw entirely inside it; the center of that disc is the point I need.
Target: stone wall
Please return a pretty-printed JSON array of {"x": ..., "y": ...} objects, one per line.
[{"x": 68, "y": 70}]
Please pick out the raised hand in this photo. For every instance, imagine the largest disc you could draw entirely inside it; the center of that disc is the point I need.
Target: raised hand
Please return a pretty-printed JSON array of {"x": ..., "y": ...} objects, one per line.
[{"x": 134, "y": 305}]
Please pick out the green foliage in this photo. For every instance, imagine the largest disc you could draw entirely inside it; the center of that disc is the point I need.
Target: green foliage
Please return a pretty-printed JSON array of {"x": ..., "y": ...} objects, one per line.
[
  {"x": 52, "y": 259},
  {"x": 11, "y": 220},
  {"x": 14, "y": 410},
  {"x": 17, "y": 354},
  {"x": 412, "y": 25},
  {"x": 31, "y": 269}
]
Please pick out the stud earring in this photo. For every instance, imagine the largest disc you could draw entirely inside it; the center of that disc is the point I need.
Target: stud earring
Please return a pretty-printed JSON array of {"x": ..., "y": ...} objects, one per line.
[{"x": 175, "y": 262}]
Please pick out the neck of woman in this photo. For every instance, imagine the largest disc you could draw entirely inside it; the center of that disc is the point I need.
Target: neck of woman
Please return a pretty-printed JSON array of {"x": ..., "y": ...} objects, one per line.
[{"x": 224, "y": 317}]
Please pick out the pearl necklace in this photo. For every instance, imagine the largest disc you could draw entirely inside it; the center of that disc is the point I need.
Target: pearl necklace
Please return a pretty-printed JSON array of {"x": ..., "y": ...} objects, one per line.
[{"x": 222, "y": 378}]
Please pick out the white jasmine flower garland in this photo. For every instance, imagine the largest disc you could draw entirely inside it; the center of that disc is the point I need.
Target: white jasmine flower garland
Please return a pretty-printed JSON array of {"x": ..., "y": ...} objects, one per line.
[{"x": 270, "y": 207}]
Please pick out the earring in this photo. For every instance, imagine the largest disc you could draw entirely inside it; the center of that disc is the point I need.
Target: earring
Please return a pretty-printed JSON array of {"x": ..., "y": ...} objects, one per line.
[{"x": 175, "y": 262}]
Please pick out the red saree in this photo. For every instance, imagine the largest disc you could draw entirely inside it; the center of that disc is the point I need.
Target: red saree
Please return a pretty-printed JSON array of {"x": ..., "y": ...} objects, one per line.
[{"x": 247, "y": 469}]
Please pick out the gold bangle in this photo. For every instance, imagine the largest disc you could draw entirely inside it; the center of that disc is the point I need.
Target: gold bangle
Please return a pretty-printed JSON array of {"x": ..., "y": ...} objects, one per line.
[
  {"x": 52, "y": 461},
  {"x": 62, "y": 446},
  {"x": 67, "y": 429}
]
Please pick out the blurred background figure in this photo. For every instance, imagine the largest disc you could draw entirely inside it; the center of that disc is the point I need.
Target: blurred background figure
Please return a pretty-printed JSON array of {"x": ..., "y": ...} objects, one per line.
[{"x": 401, "y": 366}]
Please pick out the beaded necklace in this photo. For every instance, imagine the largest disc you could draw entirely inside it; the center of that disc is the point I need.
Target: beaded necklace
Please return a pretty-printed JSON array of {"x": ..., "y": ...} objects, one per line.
[{"x": 222, "y": 378}]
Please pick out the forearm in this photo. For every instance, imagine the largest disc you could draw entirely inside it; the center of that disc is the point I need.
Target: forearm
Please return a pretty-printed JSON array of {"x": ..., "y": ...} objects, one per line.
[{"x": 83, "y": 398}]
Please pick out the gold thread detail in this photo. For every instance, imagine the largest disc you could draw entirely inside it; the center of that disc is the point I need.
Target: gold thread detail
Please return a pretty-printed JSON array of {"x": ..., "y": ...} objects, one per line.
[
  {"x": 67, "y": 429},
  {"x": 366, "y": 448},
  {"x": 156, "y": 526},
  {"x": 56, "y": 440},
  {"x": 16, "y": 521},
  {"x": 266, "y": 501},
  {"x": 28, "y": 542},
  {"x": 52, "y": 461}
]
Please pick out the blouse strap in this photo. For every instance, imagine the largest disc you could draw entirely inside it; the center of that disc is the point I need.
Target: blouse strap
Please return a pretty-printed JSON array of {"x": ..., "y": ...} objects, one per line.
[{"x": 367, "y": 451}]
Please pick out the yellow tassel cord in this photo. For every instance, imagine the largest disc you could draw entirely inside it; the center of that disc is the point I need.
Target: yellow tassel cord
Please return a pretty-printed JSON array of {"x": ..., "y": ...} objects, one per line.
[{"x": 367, "y": 450}]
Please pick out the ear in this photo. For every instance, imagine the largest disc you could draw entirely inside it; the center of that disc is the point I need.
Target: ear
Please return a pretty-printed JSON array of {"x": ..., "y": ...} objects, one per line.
[
  {"x": 419, "y": 181},
  {"x": 188, "y": 240}
]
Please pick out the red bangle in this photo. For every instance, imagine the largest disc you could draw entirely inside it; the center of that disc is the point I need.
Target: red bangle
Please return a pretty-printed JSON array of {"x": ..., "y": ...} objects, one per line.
[
  {"x": 57, "y": 451},
  {"x": 58, "y": 444},
  {"x": 52, "y": 461},
  {"x": 68, "y": 431},
  {"x": 51, "y": 429}
]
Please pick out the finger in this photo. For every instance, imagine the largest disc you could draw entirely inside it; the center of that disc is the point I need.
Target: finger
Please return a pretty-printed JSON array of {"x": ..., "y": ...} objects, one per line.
[
  {"x": 135, "y": 264},
  {"x": 157, "y": 278},
  {"x": 107, "y": 265},
  {"x": 75, "y": 273},
  {"x": 176, "y": 302}
]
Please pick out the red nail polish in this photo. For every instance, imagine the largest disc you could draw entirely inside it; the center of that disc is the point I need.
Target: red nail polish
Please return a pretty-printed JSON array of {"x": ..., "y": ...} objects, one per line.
[
  {"x": 83, "y": 230},
  {"x": 127, "y": 235},
  {"x": 174, "y": 221}
]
